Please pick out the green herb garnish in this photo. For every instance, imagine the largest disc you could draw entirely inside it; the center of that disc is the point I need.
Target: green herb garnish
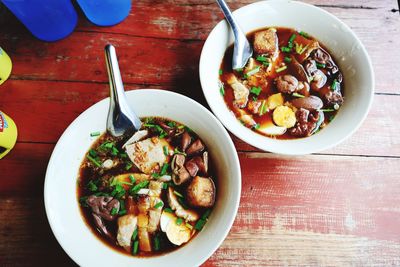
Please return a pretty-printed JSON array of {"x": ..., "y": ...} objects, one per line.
[
  {"x": 165, "y": 150},
  {"x": 304, "y": 34},
  {"x": 328, "y": 110},
  {"x": 262, "y": 59},
  {"x": 93, "y": 160},
  {"x": 222, "y": 89},
  {"x": 262, "y": 108},
  {"x": 168, "y": 210},
  {"x": 132, "y": 178},
  {"x": 220, "y": 72},
  {"x": 287, "y": 59},
  {"x": 94, "y": 134},
  {"x": 291, "y": 39},
  {"x": 114, "y": 211},
  {"x": 253, "y": 71},
  {"x": 139, "y": 186},
  {"x": 178, "y": 194},
  {"x": 206, "y": 214},
  {"x": 334, "y": 85},
  {"x": 179, "y": 221},
  {"x": 286, "y": 49},
  {"x": 128, "y": 166},
  {"x": 135, "y": 247},
  {"x": 256, "y": 126},
  {"x": 92, "y": 186},
  {"x": 255, "y": 90},
  {"x": 156, "y": 243},
  {"x": 320, "y": 65},
  {"x": 158, "y": 205},
  {"x": 93, "y": 153},
  {"x": 200, "y": 224},
  {"x": 134, "y": 234},
  {"x": 164, "y": 169},
  {"x": 165, "y": 186},
  {"x": 281, "y": 69},
  {"x": 298, "y": 95},
  {"x": 176, "y": 151}
]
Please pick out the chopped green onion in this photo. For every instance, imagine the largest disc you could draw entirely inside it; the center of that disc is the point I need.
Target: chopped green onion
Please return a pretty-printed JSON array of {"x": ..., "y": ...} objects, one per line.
[
  {"x": 127, "y": 183},
  {"x": 135, "y": 247},
  {"x": 183, "y": 204},
  {"x": 165, "y": 186},
  {"x": 158, "y": 205},
  {"x": 164, "y": 169},
  {"x": 114, "y": 151},
  {"x": 331, "y": 118},
  {"x": 328, "y": 110},
  {"x": 122, "y": 204},
  {"x": 256, "y": 126},
  {"x": 114, "y": 211},
  {"x": 288, "y": 59},
  {"x": 261, "y": 59},
  {"x": 285, "y": 49},
  {"x": 122, "y": 212},
  {"x": 239, "y": 70},
  {"x": 94, "y": 134},
  {"x": 165, "y": 149},
  {"x": 156, "y": 243},
  {"x": 304, "y": 49},
  {"x": 179, "y": 221},
  {"x": 320, "y": 65},
  {"x": 93, "y": 153},
  {"x": 171, "y": 124},
  {"x": 168, "y": 210},
  {"x": 188, "y": 225},
  {"x": 262, "y": 108},
  {"x": 92, "y": 186},
  {"x": 304, "y": 34},
  {"x": 291, "y": 39},
  {"x": 281, "y": 69},
  {"x": 128, "y": 166},
  {"x": 255, "y": 90},
  {"x": 222, "y": 89},
  {"x": 123, "y": 155},
  {"x": 93, "y": 160},
  {"x": 200, "y": 224},
  {"x": 178, "y": 194},
  {"x": 155, "y": 175},
  {"x": 162, "y": 135},
  {"x": 82, "y": 201},
  {"x": 253, "y": 71},
  {"x": 220, "y": 72},
  {"x": 139, "y": 186},
  {"x": 334, "y": 85},
  {"x": 297, "y": 95},
  {"x": 255, "y": 98},
  {"x": 134, "y": 234},
  {"x": 132, "y": 178},
  {"x": 176, "y": 151},
  {"x": 266, "y": 64},
  {"x": 245, "y": 76},
  {"x": 206, "y": 214}
]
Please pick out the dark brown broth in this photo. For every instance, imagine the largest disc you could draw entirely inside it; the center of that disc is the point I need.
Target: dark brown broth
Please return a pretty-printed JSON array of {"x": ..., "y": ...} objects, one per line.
[
  {"x": 268, "y": 87},
  {"x": 86, "y": 174}
]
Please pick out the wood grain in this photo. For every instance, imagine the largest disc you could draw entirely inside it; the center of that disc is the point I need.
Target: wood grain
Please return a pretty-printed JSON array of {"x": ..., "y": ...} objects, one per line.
[{"x": 336, "y": 208}]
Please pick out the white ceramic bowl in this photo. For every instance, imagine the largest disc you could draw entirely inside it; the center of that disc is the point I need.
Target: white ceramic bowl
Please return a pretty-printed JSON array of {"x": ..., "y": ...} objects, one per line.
[
  {"x": 60, "y": 194},
  {"x": 346, "y": 48}
]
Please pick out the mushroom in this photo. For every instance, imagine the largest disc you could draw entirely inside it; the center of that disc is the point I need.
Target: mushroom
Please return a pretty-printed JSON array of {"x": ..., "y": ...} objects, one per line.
[
  {"x": 169, "y": 130},
  {"x": 196, "y": 147},
  {"x": 201, "y": 192},
  {"x": 286, "y": 84},
  {"x": 192, "y": 166},
  {"x": 179, "y": 172},
  {"x": 103, "y": 205},
  {"x": 307, "y": 122},
  {"x": 298, "y": 70},
  {"x": 197, "y": 164},
  {"x": 188, "y": 215},
  {"x": 185, "y": 141},
  {"x": 319, "y": 80},
  {"x": 100, "y": 225},
  {"x": 310, "y": 102},
  {"x": 310, "y": 67}
]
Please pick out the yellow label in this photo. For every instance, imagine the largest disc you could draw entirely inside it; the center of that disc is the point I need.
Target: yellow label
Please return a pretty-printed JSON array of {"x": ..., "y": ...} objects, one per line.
[
  {"x": 5, "y": 66},
  {"x": 8, "y": 134}
]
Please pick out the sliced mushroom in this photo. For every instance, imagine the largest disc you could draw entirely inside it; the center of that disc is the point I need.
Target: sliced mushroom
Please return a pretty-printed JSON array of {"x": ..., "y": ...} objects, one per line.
[
  {"x": 201, "y": 192},
  {"x": 100, "y": 225},
  {"x": 286, "y": 84},
  {"x": 196, "y": 147},
  {"x": 192, "y": 167},
  {"x": 298, "y": 70},
  {"x": 197, "y": 164},
  {"x": 126, "y": 226},
  {"x": 319, "y": 80},
  {"x": 310, "y": 103},
  {"x": 169, "y": 130},
  {"x": 179, "y": 172},
  {"x": 310, "y": 67},
  {"x": 102, "y": 206},
  {"x": 185, "y": 141},
  {"x": 188, "y": 215}
]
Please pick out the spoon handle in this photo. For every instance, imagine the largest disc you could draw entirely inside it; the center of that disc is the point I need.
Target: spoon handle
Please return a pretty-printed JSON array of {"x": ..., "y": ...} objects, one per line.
[
  {"x": 229, "y": 17},
  {"x": 120, "y": 116}
]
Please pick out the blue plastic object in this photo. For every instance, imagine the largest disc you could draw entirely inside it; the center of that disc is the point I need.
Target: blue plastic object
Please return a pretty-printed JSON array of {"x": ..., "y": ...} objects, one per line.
[
  {"x": 48, "y": 20},
  {"x": 105, "y": 12}
]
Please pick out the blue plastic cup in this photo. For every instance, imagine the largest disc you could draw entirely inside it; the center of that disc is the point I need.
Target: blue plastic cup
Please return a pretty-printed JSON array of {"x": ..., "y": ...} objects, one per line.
[{"x": 48, "y": 20}]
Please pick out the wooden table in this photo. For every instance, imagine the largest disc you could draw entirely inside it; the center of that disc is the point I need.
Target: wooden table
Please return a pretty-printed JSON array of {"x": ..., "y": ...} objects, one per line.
[{"x": 338, "y": 207}]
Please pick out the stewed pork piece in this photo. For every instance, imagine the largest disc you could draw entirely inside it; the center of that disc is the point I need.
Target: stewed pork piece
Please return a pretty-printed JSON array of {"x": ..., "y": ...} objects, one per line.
[
  {"x": 149, "y": 193},
  {"x": 290, "y": 88}
]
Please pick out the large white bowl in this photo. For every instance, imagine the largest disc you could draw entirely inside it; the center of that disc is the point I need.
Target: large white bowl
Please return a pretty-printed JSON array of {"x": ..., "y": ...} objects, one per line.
[
  {"x": 60, "y": 194},
  {"x": 346, "y": 48}
]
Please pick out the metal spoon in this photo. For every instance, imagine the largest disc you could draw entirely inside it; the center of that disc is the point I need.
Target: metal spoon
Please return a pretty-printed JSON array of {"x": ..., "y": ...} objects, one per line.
[
  {"x": 121, "y": 119},
  {"x": 242, "y": 50}
]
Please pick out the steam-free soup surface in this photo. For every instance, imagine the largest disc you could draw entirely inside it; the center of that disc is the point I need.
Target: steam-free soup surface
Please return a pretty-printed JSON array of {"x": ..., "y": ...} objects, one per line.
[
  {"x": 290, "y": 88},
  {"x": 149, "y": 193}
]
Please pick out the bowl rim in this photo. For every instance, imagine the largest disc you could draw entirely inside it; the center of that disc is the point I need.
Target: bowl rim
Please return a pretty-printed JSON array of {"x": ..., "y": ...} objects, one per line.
[
  {"x": 242, "y": 132},
  {"x": 159, "y": 92}
]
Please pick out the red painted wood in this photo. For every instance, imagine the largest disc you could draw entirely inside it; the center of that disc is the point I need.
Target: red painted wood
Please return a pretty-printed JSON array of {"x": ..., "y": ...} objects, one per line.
[{"x": 339, "y": 207}]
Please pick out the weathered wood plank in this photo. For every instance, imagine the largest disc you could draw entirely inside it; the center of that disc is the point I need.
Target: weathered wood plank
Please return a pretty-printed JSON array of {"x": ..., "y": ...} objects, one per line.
[
  {"x": 315, "y": 210},
  {"x": 43, "y": 110},
  {"x": 177, "y": 32}
]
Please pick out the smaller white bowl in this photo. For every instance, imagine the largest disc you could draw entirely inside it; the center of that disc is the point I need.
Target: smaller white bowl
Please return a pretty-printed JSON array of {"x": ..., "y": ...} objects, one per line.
[
  {"x": 341, "y": 42},
  {"x": 60, "y": 192}
]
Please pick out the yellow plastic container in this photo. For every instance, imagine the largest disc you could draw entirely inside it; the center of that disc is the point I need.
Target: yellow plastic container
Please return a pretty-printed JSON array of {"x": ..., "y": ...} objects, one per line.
[
  {"x": 5, "y": 66},
  {"x": 8, "y": 134}
]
